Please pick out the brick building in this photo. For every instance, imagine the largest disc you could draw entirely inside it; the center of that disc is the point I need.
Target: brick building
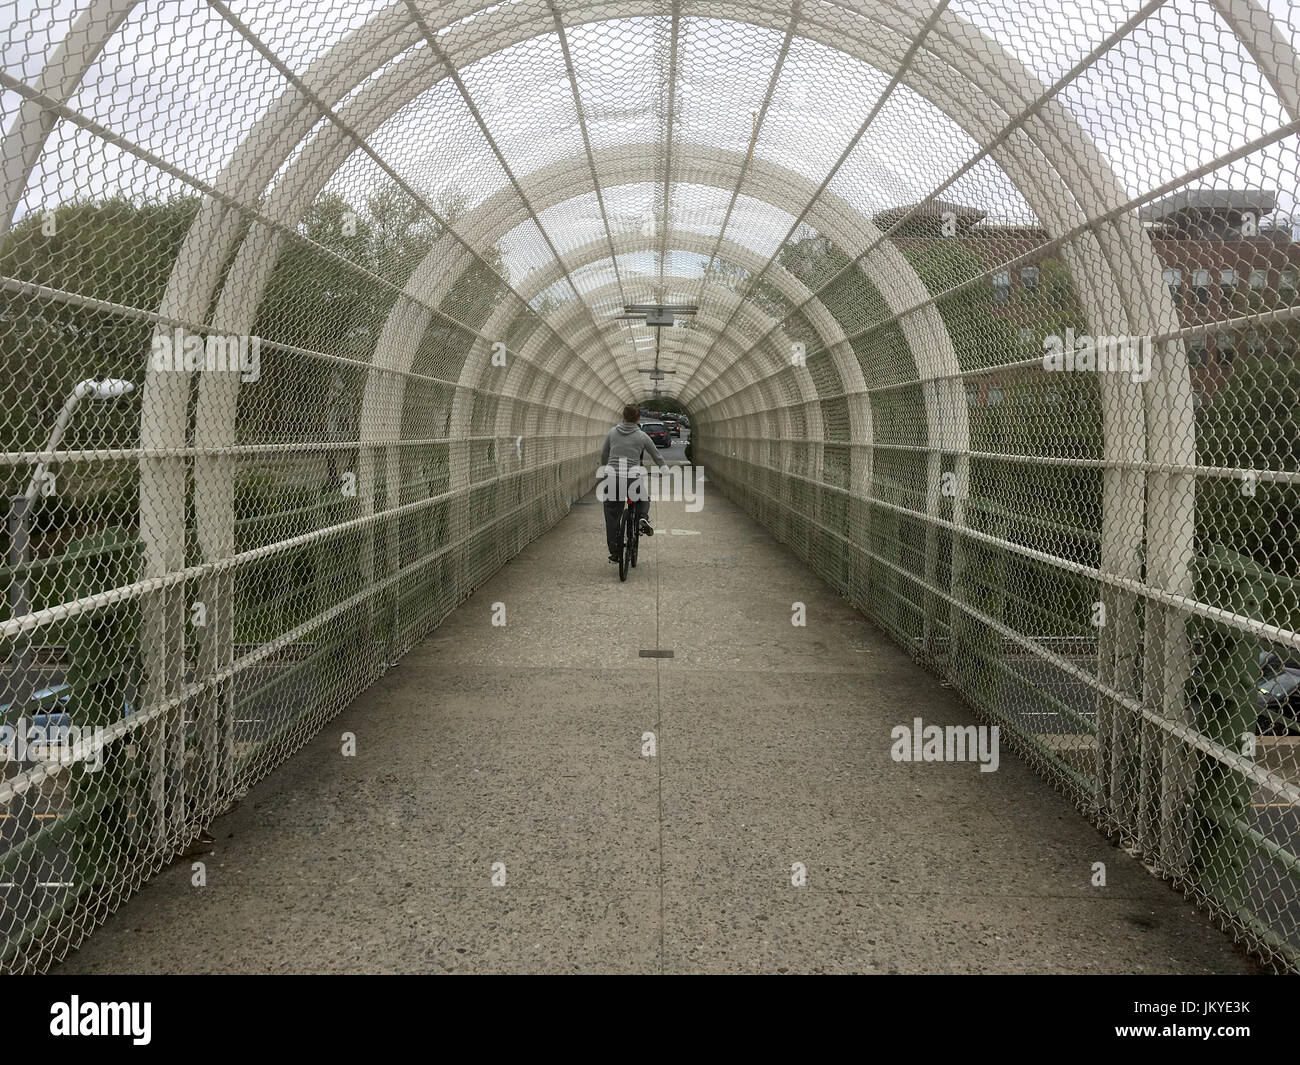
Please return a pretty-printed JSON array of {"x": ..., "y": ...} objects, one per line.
[{"x": 1224, "y": 256}]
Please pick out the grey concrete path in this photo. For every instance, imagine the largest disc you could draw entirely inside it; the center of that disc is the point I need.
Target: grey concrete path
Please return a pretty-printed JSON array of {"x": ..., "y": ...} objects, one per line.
[{"x": 523, "y": 745}]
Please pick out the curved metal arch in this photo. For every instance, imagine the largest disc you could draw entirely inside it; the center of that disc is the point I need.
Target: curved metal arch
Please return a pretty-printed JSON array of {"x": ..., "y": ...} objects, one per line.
[
  {"x": 775, "y": 418},
  {"x": 383, "y": 28},
  {"x": 596, "y": 251},
  {"x": 892, "y": 274},
  {"x": 886, "y": 268},
  {"x": 710, "y": 321}
]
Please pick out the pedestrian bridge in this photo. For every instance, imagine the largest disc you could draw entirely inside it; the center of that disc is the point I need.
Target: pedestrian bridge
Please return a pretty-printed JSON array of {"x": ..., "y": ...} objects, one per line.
[{"x": 314, "y": 317}]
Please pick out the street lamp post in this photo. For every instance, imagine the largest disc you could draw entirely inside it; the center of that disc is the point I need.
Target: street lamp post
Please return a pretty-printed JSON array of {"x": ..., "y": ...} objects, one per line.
[{"x": 20, "y": 507}]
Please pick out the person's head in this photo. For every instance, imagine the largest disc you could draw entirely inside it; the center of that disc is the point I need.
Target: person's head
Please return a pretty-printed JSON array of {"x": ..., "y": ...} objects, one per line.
[{"x": 631, "y": 414}]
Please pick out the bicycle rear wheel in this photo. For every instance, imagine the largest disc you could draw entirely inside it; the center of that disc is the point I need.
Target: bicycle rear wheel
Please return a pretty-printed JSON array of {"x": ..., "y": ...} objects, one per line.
[{"x": 625, "y": 556}]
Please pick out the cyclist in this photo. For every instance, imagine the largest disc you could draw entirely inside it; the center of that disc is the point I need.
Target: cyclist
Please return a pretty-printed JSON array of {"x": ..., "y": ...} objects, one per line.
[{"x": 623, "y": 448}]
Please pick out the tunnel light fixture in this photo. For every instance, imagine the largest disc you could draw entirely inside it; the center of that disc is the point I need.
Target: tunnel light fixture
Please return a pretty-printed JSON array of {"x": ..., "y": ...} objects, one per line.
[
  {"x": 99, "y": 389},
  {"x": 104, "y": 388},
  {"x": 657, "y": 314}
]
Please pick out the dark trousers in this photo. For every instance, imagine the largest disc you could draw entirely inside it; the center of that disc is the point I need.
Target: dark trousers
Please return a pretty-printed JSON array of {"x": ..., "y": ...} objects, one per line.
[{"x": 614, "y": 521}]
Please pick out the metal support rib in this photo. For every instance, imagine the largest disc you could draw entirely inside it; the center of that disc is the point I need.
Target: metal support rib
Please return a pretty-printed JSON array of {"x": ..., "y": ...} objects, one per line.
[
  {"x": 759, "y": 119},
  {"x": 669, "y": 116},
  {"x": 894, "y": 82},
  {"x": 12, "y": 84},
  {"x": 328, "y": 112},
  {"x": 563, "y": 37},
  {"x": 454, "y": 74},
  {"x": 986, "y": 150}
]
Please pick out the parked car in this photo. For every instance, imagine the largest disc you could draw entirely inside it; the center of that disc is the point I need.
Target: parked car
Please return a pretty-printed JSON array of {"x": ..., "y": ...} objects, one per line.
[
  {"x": 1278, "y": 692},
  {"x": 658, "y": 432},
  {"x": 673, "y": 428}
]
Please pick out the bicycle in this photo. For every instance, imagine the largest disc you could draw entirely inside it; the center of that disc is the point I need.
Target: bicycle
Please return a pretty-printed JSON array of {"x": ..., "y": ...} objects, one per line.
[
  {"x": 631, "y": 538},
  {"x": 632, "y": 488}
]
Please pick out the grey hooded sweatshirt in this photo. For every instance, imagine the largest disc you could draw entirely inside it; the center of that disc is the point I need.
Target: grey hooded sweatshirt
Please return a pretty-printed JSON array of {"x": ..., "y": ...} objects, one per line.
[{"x": 627, "y": 441}]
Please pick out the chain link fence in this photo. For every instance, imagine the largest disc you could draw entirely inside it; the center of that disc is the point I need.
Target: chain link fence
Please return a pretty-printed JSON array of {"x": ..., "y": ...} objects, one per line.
[{"x": 310, "y": 318}]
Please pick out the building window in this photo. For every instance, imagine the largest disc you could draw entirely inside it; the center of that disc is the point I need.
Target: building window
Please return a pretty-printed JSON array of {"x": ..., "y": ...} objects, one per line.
[
  {"x": 972, "y": 394},
  {"x": 1029, "y": 277},
  {"x": 1227, "y": 285},
  {"x": 1002, "y": 286},
  {"x": 1201, "y": 283},
  {"x": 1227, "y": 352},
  {"x": 1255, "y": 344},
  {"x": 1258, "y": 280},
  {"x": 1196, "y": 353},
  {"x": 1174, "y": 279},
  {"x": 1286, "y": 288},
  {"x": 995, "y": 397}
]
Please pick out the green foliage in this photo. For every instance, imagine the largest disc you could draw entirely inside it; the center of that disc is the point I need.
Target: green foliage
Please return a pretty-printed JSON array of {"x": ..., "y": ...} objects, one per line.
[
  {"x": 122, "y": 251},
  {"x": 115, "y": 250},
  {"x": 103, "y": 646},
  {"x": 980, "y": 337},
  {"x": 333, "y": 304},
  {"x": 1252, "y": 421}
]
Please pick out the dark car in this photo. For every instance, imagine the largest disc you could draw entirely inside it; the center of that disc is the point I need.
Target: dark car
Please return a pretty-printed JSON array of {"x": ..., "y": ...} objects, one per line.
[
  {"x": 658, "y": 432},
  {"x": 673, "y": 428},
  {"x": 1277, "y": 694}
]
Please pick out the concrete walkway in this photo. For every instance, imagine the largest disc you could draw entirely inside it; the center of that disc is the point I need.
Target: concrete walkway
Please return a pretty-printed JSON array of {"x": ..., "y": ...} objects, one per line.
[{"x": 523, "y": 745}]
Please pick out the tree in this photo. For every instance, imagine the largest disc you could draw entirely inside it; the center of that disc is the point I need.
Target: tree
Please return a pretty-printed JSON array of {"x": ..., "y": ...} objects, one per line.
[
  {"x": 1252, "y": 421},
  {"x": 116, "y": 250}
]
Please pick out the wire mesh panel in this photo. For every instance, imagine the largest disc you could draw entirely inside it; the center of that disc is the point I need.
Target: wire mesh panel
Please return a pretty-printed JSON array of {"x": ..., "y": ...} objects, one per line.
[{"x": 312, "y": 318}]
